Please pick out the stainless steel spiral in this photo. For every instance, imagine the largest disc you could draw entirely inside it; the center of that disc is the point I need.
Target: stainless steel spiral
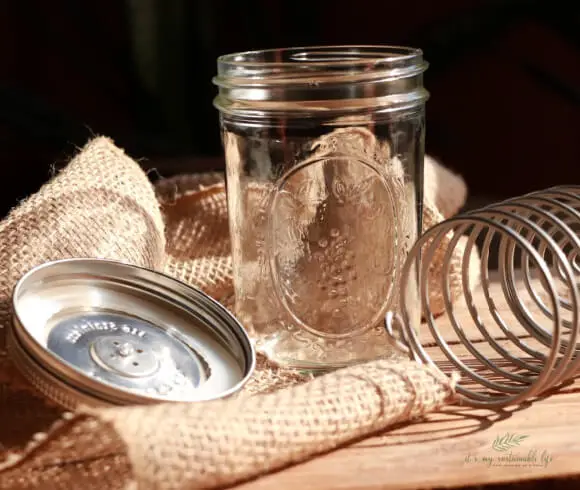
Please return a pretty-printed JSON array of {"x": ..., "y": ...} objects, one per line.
[{"x": 525, "y": 339}]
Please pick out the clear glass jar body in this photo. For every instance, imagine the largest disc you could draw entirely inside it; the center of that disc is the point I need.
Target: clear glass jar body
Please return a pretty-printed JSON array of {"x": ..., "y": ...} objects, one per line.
[{"x": 324, "y": 166}]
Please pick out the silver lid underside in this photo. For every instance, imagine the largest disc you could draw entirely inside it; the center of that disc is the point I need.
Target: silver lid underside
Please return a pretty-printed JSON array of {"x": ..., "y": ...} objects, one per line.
[
  {"x": 129, "y": 353},
  {"x": 122, "y": 334}
]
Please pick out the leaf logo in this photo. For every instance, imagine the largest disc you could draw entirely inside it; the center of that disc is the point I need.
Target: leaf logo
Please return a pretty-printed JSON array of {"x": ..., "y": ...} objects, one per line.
[{"x": 507, "y": 441}]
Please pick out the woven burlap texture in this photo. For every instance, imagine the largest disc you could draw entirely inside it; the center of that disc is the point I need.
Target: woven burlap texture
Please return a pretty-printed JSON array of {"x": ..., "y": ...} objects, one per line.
[{"x": 102, "y": 205}]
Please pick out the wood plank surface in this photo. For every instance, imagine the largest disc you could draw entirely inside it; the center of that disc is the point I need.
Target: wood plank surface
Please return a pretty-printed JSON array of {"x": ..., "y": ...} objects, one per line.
[{"x": 454, "y": 448}]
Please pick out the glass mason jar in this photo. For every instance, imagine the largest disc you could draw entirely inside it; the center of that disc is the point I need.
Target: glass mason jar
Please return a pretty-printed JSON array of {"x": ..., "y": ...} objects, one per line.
[{"x": 324, "y": 155}]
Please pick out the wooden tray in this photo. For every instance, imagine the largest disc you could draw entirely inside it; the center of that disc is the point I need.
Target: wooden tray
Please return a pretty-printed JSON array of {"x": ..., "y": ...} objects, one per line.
[{"x": 455, "y": 447}]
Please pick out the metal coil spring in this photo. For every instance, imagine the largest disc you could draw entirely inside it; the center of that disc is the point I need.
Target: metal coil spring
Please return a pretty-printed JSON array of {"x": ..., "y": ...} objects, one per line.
[{"x": 525, "y": 339}]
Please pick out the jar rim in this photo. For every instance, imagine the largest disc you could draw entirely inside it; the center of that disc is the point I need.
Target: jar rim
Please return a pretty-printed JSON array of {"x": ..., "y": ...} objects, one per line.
[
  {"x": 320, "y": 55},
  {"x": 320, "y": 78}
]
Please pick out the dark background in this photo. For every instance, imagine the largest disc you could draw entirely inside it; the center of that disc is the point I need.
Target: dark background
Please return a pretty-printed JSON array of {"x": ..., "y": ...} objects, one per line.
[{"x": 504, "y": 79}]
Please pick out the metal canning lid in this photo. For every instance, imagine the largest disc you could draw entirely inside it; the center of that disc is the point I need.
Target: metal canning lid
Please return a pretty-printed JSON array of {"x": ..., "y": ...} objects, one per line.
[{"x": 99, "y": 332}]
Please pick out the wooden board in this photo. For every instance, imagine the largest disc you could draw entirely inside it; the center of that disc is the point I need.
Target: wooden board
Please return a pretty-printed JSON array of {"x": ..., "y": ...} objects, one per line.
[{"x": 454, "y": 447}]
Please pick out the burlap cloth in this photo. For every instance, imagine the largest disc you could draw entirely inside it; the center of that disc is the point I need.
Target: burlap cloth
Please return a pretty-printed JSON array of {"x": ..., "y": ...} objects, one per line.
[{"x": 103, "y": 205}]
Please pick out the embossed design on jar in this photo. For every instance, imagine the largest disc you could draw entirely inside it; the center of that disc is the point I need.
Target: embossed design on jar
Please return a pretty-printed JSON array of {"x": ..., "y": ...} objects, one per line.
[{"x": 333, "y": 245}]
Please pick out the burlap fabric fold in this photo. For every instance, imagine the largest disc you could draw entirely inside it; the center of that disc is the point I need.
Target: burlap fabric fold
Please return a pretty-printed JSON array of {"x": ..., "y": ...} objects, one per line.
[{"x": 102, "y": 205}]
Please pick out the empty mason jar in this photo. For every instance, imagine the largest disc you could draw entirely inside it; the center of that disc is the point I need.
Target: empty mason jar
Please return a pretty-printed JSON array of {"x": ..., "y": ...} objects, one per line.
[{"x": 324, "y": 155}]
